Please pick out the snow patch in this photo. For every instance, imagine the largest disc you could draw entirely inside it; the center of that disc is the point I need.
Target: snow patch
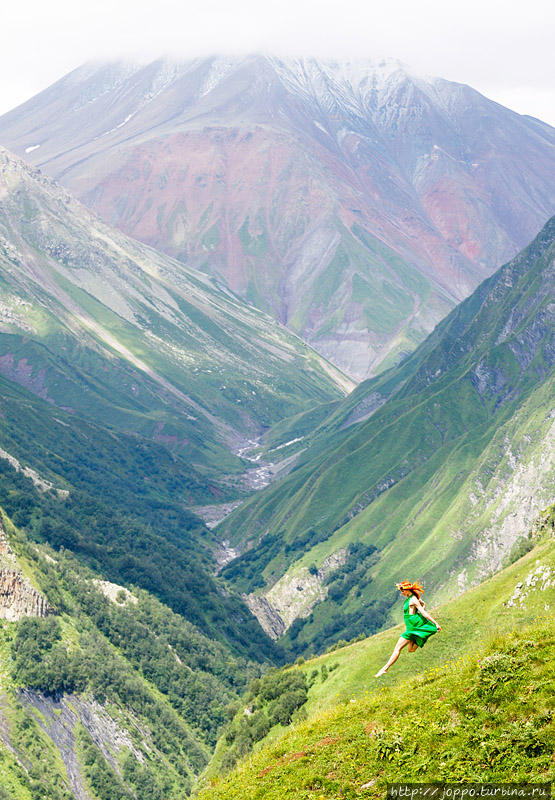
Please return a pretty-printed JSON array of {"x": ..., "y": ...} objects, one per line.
[
  {"x": 128, "y": 117},
  {"x": 318, "y": 125},
  {"x": 31, "y": 148},
  {"x": 216, "y": 73},
  {"x": 120, "y": 125}
]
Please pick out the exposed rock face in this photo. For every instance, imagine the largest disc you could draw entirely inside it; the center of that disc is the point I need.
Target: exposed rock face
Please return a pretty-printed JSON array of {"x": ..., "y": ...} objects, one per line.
[
  {"x": 522, "y": 481},
  {"x": 268, "y": 617},
  {"x": 59, "y": 717},
  {"x": 7, "y": 555},
  {"x": 114, "y": 592},
  {"x": 539, "y": 579},
  {"x": 293, "y": 596},
  {"x": 364, "y": 409},
  {"x": 40, "y": 483},
  {"x": 17, "y": 597}
]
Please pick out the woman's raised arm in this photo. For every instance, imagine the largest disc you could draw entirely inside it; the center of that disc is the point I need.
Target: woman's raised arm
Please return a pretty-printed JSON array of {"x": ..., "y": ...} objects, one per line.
[{"x": 423, "y": 611}]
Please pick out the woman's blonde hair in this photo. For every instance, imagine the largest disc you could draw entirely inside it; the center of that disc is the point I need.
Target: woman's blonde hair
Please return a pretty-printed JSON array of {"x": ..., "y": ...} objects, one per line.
[{"x": 414, "y": 588}]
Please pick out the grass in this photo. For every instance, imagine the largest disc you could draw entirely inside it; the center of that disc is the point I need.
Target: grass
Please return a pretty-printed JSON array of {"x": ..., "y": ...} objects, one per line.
[
  {"x": 474, "y": 705},
  {"x": 471, "y": 622},
  {"x": 6, "y": 635},
  {"x": 13, "y": 784},
  {"x": 482, "y": 717},
  {"x": 131, "y": 686},
  {"x": 457, "y": 447},
  {"x": 478, "y": 614}
]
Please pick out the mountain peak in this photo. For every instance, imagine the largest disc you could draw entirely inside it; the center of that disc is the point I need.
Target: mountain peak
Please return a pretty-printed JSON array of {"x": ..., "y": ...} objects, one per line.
[{"x": 281, "y": 175}]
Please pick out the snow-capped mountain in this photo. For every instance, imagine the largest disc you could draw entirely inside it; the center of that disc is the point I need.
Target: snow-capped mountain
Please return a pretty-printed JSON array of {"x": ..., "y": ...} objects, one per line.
[{"x": 354, "y": 201}]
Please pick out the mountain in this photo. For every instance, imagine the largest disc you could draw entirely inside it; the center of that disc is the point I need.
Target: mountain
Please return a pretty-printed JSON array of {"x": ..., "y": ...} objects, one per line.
[
  {"x": 354, "y": 202},
  {"x": 473, "y": 705},
  {"x": 106, "y": 693},
  {"x": 102, "y": 326},
  {"x": 129, "y": 390},
  {"x": 431, "y": 469}
]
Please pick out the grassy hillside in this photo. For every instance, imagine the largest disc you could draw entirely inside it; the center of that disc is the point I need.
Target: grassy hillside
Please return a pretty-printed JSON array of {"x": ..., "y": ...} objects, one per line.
[
  {"x": 133, "y": 385},
  {"x": 485, "y": 718},
  {"x": 474, "y": 704},
  {"x": 437, "y": 464}
]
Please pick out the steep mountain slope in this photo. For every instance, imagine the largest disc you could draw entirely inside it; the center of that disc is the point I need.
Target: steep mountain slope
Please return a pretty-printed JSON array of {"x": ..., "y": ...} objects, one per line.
[
  {"x": 474, "y": 705},
  {"x": 98, "y": 324},
  {"x": 451, "y": 454},
  {"x": 105, "y": 693},
  {"x": 128, "y": 389},
  {"x": 116, "y": 501},
  {"x": 355, "y": 202}
]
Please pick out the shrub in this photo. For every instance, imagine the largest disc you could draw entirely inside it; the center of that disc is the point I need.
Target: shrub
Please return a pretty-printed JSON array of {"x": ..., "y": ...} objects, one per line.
[{"x": 276, "y": 697}]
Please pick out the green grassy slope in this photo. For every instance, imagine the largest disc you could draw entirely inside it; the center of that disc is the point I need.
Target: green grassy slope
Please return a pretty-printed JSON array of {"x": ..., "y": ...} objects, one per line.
[
  {"x": 476, "y": 701},
  {"x": 133, "y": 384},
  {"x": 486, "y": 719},
  {"x": 461, "y": 440}
]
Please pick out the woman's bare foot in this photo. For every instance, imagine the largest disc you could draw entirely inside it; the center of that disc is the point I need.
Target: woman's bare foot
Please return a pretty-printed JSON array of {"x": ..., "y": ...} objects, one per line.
[{"x": 380, "y": 673}]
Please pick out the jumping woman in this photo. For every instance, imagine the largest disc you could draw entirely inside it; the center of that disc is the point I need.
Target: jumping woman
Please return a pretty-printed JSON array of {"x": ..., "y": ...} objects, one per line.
[{"x": 418, "y": 623}]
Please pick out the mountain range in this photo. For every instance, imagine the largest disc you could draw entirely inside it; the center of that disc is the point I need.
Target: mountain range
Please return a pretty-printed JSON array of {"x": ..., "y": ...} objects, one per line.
[
  {"x": 354, "y": 202},
  {"x": 130, "y": 389},
  {"x": 161, "y": 349},
  {"x": 194, "y": 489},
  {"x": 435, "y": 465}
]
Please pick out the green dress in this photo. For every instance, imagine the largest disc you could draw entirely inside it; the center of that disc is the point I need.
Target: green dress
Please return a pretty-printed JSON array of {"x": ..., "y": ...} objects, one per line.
[{"x": 418, "y": 628}]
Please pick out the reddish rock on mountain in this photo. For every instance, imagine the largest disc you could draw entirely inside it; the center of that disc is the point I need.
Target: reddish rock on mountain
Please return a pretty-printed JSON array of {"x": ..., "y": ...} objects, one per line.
[{"x": 355, "y": 202}]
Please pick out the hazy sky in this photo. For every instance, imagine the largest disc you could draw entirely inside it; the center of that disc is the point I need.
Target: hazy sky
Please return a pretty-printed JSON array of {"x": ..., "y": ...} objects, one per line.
[{"x": 503, "y": 49}]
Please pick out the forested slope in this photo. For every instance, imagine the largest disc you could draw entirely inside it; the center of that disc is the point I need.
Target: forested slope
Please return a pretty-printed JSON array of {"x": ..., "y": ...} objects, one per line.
[{"x": 105, "y": 693}]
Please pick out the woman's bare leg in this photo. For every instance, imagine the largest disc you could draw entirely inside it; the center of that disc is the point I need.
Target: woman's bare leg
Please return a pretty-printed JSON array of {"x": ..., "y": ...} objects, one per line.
[
  {"x": 401, "y": 642},
  {"x": 412, "y": 647}
]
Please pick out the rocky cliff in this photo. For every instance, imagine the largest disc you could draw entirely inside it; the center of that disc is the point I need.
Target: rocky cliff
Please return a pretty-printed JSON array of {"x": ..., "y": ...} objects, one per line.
[
  {"x": 18, "y": 598},
  {"x": 293, "y": 596}
]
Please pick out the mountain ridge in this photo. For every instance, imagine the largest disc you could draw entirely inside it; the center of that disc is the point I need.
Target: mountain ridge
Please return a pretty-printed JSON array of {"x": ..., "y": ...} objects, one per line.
[
  {"x": 129, "y": 392},
  {"x": 104, "y": 287},
  {"x": 457, "y": 449},
  {"x": 394, "y": 194}
]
